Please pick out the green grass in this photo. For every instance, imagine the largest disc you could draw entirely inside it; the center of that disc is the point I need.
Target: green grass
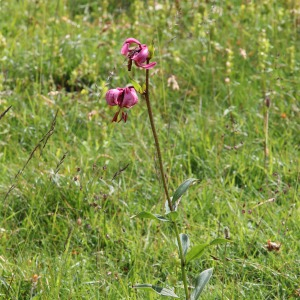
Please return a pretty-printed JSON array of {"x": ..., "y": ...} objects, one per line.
[{"x": 64, "y": 219}]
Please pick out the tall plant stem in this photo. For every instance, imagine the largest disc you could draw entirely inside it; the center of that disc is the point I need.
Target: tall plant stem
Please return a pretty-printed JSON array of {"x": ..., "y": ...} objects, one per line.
[
  {"x": 162, "y": 173},
  {"x": 266, "y": 129},
  {"x": 161, "y": 167}
]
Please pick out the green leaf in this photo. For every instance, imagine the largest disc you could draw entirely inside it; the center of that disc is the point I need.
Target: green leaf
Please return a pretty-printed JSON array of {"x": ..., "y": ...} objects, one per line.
[
  {"x": 144, "y": 86},
  {"x": 196, "y": 252},
  {"x": 137, "y": 86},
  {"x": 151, "y": 50},
  {"x": 182, "y": 189},
  {"x": 219, "y": 241},
  {"x": 159, "y": 290},
  {"x": 172, "y": 215},
  {"x": 185, "y": 242},
  {"x": 149, "y": 215},
  {"x": 201, "y": 282}
]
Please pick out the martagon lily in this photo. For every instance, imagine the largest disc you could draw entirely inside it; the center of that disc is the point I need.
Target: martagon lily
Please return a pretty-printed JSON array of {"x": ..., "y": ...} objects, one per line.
[
  {"x": 127, "y": 97},
  {"x": 123, "y": 97},
  {"x": 139, "y": 54}
]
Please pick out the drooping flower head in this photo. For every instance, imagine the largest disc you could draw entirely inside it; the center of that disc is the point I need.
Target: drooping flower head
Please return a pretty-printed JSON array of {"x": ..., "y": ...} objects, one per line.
[
  {"x": 139, "y": 54},
  {"x": 123, "y": 97}
]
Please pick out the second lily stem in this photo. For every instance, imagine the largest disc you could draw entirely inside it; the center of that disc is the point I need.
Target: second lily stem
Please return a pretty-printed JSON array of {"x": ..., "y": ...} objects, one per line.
[{"x": 181, "y": 254}]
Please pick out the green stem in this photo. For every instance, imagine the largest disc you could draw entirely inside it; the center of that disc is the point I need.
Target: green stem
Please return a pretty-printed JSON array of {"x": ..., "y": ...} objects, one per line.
[
  {"x": 266, "y": 133},
  {"x": 182, "y": 262},
  {"x": 181, "y": 255}
]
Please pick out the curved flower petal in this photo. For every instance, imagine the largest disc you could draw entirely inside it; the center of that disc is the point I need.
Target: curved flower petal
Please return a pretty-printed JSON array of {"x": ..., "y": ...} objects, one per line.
[
  {"x": 114, "y": 96},
  {"x": 146, "y": 66},
  {"x": 125, "y": 49},
  {"x": 126, "y": 44},
  {"x": 142, "y": 55},
  {"x": 130, "y": 97},
  {"x": 132, "y": 40}
]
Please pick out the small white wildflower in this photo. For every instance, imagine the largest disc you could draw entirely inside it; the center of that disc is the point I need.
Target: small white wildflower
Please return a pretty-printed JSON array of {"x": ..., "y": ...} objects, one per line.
[
  {"x": 243, "y": 53},
  {"x": 227, "y": 80}
]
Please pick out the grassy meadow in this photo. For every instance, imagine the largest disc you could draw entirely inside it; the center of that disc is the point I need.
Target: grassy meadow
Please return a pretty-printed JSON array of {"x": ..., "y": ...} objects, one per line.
[{"x": 225, "y": 97}]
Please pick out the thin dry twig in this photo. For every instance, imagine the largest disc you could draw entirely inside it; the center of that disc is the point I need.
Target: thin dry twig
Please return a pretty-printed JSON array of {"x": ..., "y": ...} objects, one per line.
[
  {"x": 3, "y": 114},
  {"x": 120, "y": 171}
]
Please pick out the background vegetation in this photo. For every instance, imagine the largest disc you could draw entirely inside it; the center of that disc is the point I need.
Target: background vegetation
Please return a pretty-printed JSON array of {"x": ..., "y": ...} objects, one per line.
[{"x": 65, "y": 226}]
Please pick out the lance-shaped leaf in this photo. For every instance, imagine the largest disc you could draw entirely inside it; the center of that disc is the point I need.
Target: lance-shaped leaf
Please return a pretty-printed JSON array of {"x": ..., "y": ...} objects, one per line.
[
  {"x": 219, "y": 241},
  {"x": 196, "y": 252},
  {"x": 159, "y": 290},
  {"x": 185, "y": 242},
  {"x": 181, "y": 190},
  {"x": 149, "y": 215},
  {"x": 137, "y": 86},
  {"x": 201, "y": 281}
]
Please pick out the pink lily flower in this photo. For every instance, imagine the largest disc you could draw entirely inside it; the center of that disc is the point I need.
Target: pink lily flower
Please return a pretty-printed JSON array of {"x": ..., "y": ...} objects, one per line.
[
  {"x": 130, "y": 97},
  {"x": 138, "y": 54},
  {"x": 114, "y": 96},
  {"x": 123, "y": 97}
]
